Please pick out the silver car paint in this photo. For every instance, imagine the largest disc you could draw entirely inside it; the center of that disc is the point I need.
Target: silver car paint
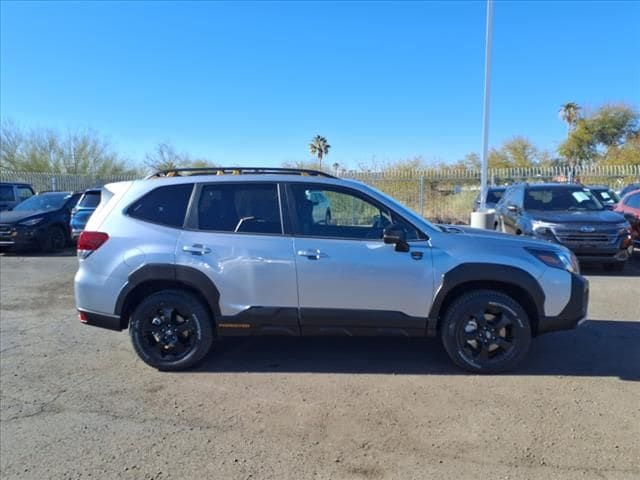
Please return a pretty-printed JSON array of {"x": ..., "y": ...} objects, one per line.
[{"x": 265, "y": 270}]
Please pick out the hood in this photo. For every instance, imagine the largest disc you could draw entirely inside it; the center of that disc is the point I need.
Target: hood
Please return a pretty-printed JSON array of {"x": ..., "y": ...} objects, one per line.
[
  {"x": 19, "y": 216},
  {"x": 598, "y": 216},
  {"x": 492, "y": 235}
]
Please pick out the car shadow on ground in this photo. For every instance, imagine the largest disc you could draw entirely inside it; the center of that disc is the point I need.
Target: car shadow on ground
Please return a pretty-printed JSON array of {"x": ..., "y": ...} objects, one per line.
[
  {"x": 598, "y": 348},
  {"x": 631, "y": 269},
  {"x": 67, "y": 252}
]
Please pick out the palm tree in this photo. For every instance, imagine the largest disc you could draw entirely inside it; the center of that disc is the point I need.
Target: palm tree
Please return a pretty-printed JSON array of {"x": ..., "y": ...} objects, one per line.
[
  {"x": 319, "y": 147},
  {"x": 570, "y": 114}
]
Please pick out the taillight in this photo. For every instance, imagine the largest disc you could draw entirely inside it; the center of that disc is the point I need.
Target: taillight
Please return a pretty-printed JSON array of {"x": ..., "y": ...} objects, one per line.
[{"x": 89, "y": 242}]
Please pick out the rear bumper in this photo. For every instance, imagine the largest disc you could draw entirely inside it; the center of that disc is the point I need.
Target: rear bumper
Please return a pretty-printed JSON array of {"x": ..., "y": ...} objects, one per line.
[
  {"x": 573, "y": 313},
  {"x": 110, "y": 322}
]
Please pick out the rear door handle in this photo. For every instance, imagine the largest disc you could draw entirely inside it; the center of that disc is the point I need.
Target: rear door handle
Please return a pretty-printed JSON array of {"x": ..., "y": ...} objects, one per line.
[
  {"x": 196, "y": 249},
  {"x": 312, "y": 254}
]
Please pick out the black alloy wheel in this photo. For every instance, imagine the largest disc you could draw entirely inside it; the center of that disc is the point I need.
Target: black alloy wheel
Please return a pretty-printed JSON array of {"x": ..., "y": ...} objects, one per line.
[
  {"x": 55, "y": 240},
  {"x": 171, "y": 330},
  {"x": 486, "y": 332}
]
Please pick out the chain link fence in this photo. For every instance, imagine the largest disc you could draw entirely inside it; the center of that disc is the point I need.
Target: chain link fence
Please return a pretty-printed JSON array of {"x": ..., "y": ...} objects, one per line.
[{"x": 441, "y": 195}]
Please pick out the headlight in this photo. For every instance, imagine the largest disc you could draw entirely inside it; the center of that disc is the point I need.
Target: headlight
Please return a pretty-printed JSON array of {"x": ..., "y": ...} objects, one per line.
[
  {"x": 31, "y": 222},
  {"x": 542, "y": 229},
  {"x": 556, "y": 259},
  {"x": 623, "y": 228}
]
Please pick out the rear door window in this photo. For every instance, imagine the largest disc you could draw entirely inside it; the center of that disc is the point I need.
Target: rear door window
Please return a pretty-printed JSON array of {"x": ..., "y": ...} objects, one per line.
[
  {"x": 165, "y": 205},
  {"x": 240, "y": 208}
]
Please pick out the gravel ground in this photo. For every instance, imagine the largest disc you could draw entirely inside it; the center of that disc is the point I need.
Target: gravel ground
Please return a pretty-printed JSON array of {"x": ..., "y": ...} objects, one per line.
[{"x": 76, "y": 403}]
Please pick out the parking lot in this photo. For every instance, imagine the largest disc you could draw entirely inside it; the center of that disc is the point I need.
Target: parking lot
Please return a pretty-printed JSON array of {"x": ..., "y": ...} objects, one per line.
[{"x": 77, "y": 403}]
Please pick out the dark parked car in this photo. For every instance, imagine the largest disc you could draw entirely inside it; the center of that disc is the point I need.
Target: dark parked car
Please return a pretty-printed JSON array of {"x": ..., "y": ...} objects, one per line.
[
  {"x": 11, "y": 194},
  {"x": 607, "y": 197},
  {"x": 568, "y": 214},
  {"x": 82, "y": 211},
  {"x": 494, "y": 194},
  {"x": 41, "y": 221}
]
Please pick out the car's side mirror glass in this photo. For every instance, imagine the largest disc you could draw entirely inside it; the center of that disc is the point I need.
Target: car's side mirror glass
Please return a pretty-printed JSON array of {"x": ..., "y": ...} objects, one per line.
[{"x": 395, "y": 234}]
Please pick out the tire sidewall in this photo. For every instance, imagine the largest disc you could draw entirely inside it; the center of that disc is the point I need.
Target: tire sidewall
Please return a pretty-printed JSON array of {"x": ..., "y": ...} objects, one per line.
[
  {"x": 184, "y": 302},
  {"x": 471, "y": 302},
  {"x": 49, "y": 244}
]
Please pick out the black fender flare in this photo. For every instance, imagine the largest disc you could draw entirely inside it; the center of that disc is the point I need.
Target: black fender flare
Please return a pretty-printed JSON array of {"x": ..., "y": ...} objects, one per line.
[
  {"x": 189, "y": 276},
  {"x": 485, "y": 275}
]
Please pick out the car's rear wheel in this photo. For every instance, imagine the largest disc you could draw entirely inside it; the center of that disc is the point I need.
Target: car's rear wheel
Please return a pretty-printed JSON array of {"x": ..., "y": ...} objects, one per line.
[
  {"x": 485, "y": 331},
  {"x": 171, "y": 330},
  {"x": 55, "y": 240}
]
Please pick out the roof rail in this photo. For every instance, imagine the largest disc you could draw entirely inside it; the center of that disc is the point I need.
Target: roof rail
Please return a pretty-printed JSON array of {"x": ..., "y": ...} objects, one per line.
[{"x": 180, "y": 172}]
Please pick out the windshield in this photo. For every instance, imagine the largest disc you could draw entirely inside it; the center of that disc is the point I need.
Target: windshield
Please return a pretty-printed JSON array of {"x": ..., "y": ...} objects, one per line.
[
  {"x": 89, "y": 200},
  {"x": 559, "y": 199},
  {"x": 606, "y": 197},
  {"x": 46, "y": 202}
]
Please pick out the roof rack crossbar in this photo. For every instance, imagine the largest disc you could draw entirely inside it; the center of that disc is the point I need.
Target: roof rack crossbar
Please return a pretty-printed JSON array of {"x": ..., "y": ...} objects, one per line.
[{"x": 178, "y": 172}]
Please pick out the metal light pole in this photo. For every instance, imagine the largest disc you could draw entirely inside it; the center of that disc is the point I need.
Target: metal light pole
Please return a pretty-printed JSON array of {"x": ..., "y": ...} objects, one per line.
[
  {"x": 482, "y": 218},
  {"x": 485, "y": 120}
]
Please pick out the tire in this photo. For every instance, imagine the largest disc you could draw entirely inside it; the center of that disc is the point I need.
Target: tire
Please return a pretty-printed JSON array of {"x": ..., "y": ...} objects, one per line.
[
  {"x": 55, "y": 240},
  {"x": 171, "y": 330},
  {"x": 496, "y": 343}
]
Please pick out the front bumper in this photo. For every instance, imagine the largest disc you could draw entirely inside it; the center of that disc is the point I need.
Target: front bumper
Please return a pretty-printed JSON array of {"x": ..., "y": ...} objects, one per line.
[
  {"x": 21, "y": 237},
  {"x": 574, "y": 312},
  {"x": 612, "y": 252}
]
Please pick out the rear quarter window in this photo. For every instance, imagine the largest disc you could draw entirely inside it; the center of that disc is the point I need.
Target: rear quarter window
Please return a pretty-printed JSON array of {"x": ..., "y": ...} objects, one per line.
[
  {"x": 89, "y": 200},
  {"x": 164, "y": 205}
]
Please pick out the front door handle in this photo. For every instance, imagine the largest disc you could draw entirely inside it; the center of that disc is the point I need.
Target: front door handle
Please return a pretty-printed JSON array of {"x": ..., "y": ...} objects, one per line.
[
  {"x": 312, "y": 254},
  {"x": 196, "y": 249}
]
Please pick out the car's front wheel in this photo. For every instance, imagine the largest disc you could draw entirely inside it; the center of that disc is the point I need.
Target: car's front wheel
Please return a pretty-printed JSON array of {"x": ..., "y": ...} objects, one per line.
[
  {"x": 486, "y": 331},
  {"x": 55, "y": 240},
  {"x": 171, "y": 330}
]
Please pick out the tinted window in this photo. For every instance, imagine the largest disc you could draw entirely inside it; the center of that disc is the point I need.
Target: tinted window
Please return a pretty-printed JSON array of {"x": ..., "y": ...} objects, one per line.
[
  {"x": 342, "y": 214},
  {"x": 24, "y": 193},
  {"x": 6, "y": 193},
  {"x": 559, "y": 199},
  {"x": 164, "y": 205},
  {"x": 633, "y": 201},
  {"x": 494, "y": 196},
  {"x": 89, "y": 200},
  {"x": 241, "y": 208}
]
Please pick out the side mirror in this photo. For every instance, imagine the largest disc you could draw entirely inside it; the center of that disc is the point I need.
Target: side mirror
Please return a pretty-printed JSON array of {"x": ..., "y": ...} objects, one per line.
[
  {"x": 394, "y": 234},
  {"x": 512, "y": 208}
]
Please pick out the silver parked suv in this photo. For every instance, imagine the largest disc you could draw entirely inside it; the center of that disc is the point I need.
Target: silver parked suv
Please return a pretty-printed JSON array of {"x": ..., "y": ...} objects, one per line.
[{"x": 186, "y": 256}]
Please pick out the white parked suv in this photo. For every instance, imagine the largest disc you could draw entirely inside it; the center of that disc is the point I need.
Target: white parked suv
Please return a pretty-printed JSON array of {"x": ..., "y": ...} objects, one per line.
[{"x": 189, "y": 255}]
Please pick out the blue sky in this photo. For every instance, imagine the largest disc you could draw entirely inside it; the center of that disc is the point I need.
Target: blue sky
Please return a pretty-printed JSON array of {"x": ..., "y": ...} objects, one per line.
[{"x": 251, "y": 83}]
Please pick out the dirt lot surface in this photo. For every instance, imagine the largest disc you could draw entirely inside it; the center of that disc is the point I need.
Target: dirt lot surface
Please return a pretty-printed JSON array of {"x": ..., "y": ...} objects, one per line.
[{"x": 76, "y": 402}]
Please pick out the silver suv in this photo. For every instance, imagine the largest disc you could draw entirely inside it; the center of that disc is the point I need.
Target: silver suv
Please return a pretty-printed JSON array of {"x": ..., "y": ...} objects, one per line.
[{"x": 187, "y": 256}]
